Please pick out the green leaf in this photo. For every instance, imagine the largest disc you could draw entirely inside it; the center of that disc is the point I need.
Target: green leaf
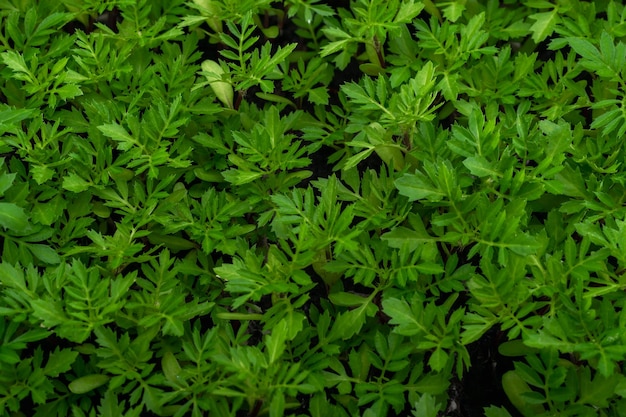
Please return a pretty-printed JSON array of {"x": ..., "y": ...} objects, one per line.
[
  {"x": 48, "y": 213},
  {"x": 42, "y": 173},
  {"x": 337, "y": 45},
  {"x": 408, "y": 11},
  {"x": 9, "y": 356},
  {"x": 12, "y": 277},
  {"x": 87, "y": 383},
  {"x": 418, "y": 187},
  {"x": 319, "y": 95},
  {"x": 118, "y": 133},
  {"x": 438, "y": 360},
  {"x": 349, "y": 323},
  {"x": 401, "y": 236},
  {"x": 10, "y": 117},
  {"x": 493, "y": 411},
  {"x": 45, "y": 253},
  {"x": 454, "y": 10},
  {"x": 426, "y": 406},
  {"x": 69, "y": 91},
  {"x": 60, "y": 361},
  {"x": 347, "y": 299},
  {"x": 223, "y": 90},
  {"x": 402, "y": 315},
  {"x": 238, "y": 177},
  {"x": 277, "y": 405},
  {"x": 515, "y": 388},
  {"x": 480, "y": 167},
  {"x": 430, "y": 268},
  {"x": 585, "y": 49},
  {"x": 599, "y": 390},
  {"x": 15, "y": 61},
  {"x": 449, "y": 86},
  {"x": 275, "y": 343},
  {"x": 171, "y": 368},
  {"x": 173, "y": 326},
  {"x": 523, "y": 245},
  {"x": 74, "y": 183},
  {"x": 543, "y": 340},
  {"x": 50, "y": 313},
  {"x": 6, "y": 181},
  {"x": 544, "y": 25},
  {"x": 12, "y": 217}
]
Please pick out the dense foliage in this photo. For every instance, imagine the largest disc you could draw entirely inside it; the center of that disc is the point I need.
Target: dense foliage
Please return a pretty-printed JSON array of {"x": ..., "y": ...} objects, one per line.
[{"x": 299, "y": 208}]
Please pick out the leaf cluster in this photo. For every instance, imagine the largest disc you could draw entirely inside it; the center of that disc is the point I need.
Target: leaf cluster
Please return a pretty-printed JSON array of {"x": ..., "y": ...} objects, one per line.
[{"x": 291, "y": 208}]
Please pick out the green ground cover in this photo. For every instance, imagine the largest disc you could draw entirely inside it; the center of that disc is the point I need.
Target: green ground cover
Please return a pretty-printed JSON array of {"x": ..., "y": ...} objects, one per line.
[{"x": 304, "y": 208}]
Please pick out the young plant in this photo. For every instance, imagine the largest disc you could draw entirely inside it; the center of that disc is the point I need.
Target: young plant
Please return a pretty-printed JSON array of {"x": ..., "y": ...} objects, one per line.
[{"x": 292, "y": 208}]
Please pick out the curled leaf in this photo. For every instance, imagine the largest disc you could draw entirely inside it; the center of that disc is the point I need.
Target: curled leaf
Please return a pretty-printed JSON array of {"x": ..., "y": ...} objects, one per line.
[{"x": 222, "y": 89}]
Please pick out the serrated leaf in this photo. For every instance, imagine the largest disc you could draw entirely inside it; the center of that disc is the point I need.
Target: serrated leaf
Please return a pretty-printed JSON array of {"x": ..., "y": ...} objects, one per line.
[
  {"x": 349, "y": 323},
  {"x": 41, "y": 173},
  {"x": 48, "y": 213},
  {"x": 449, "y": 86},
  {"x": 493, "y": 411},
  {"x": 69, "y": 91},
  {"x": 9, "y": 117},
  {"x": 73, "y": 182},
  {"x": 454, "y": 10},
  {"x": 418, "y": 187},
  {"x": 118, "y": 133},
  {"x": 585, "y": 49},
  {"x": 402, "y": 316},
  {"x": 401, "y": 236},
  {"x": 59, "y": 361},
  {"x": 12, "y": 277},
  {"x": 275, "y": 343},
  {"x": 480, "y": 167},
  {"x": 334, "y": 32},
  {"x": 319, "y": 95},
  {"x": 15, "y": 61},
  {"x": 360, "y": 96},
  {"x": 6, "y": 181},
  {"x": 597, "y": 391},
  {"x": 523, "y": 245},
  {"x": 544, "y": 25},
  {"x": 438, "y": 360},
  {"x": 408, "y": 11},
  {"x": 426, "y": 406},
  {"x": 50, "y": 313},
  {"x": 13, "y": 217}
]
